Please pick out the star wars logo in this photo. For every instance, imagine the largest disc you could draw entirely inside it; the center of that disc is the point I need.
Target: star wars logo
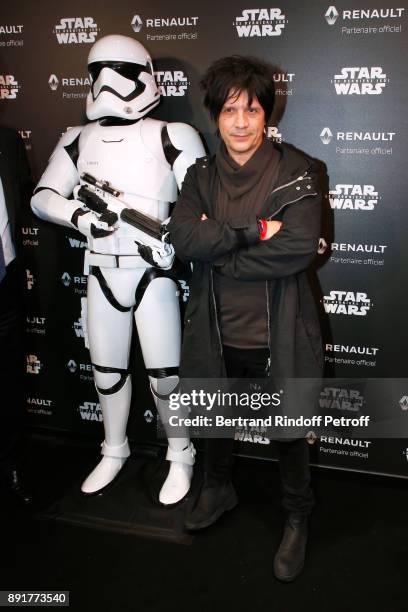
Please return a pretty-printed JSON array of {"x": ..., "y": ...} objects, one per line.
[
  {"x": 34, "y": 365},
  {"x": 172, "y": 82},
  {"x": 75, "y": 243},
  {"x": 78, "y": 328},
  {"x": 260, "y": 22},
  {"x": 30, "y": 280},
  {"x": 353, "y": 197},
  {"x": 253, "y": 435},
  {"x": 341, "y": 398},
  {"x": 76, "y": 30},
  {"x": 326, "y": 136},
  {"x": 90, "y": 411},
  {"x": 32, "y": 236},
  {"x": 360, "y": 80},
  {"x": 273, "y": 133},
  {"x": 184, "y": 290},
  {"x": 9, "y": 87},
  {"x": 347, "y": 303}
]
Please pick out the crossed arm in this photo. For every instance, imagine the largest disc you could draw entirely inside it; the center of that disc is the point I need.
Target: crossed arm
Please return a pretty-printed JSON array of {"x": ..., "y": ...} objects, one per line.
[{"x": 234, "y": 248}]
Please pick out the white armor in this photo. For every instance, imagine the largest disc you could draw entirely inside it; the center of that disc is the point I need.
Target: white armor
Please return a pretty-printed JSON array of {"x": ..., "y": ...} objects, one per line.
[{"x": 146, "y": 161}]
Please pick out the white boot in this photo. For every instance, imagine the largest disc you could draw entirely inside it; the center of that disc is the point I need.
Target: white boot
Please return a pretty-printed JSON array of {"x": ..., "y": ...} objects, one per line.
[
  {"x": 180, "y": 451},
  {"x": 178, "y": 481},
  {"x": 107, "y": 469}
]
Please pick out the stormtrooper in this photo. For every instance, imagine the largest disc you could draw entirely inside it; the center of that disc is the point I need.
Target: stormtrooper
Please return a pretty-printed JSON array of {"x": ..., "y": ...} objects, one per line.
[{"x": 133, "y": 162}]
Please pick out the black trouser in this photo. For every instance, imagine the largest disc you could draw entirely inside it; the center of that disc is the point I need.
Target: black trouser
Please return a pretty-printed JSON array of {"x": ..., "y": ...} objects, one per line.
[
  {"x": 11, "y": 368},
  {"x": 297, "y": 495}
]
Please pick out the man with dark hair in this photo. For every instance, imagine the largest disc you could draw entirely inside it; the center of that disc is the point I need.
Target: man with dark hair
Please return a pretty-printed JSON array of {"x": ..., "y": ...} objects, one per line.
[
  {"x": 238, "y": 73},
  {"x": 249, "y": 221},
  {"x": 15, "y": 191}
]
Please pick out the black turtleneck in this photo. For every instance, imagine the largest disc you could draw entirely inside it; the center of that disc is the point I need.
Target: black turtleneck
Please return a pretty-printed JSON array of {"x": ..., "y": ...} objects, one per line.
[{"x": 241, "y": 191}]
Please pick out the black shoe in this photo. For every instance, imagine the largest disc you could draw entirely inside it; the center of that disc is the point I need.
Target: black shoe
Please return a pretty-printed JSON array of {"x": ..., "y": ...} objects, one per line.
[
  {"x": 15, "y": 485},
  {"x": 290, "y": 558},
  {"x": 212, "y": 503}
]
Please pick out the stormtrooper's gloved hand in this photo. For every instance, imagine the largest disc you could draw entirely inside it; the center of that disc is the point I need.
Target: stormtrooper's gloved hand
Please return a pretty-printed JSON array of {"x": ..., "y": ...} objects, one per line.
[
  {"x": 92, "y": 226},
  {"x": 159, "y": 257},
  {"x": 164, "y": 230}
]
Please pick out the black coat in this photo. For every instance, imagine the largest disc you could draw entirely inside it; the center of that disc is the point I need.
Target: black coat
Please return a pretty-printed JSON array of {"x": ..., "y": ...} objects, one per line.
[{"x": 234, "y": 249}]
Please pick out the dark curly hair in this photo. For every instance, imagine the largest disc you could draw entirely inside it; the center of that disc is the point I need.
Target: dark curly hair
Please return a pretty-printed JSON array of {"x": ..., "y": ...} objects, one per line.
[{"x": 238, "y": 73}]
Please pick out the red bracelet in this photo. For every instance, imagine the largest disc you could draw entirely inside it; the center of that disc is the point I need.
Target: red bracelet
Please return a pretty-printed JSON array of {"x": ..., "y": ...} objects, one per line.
[{"x": 263, "y": 228}]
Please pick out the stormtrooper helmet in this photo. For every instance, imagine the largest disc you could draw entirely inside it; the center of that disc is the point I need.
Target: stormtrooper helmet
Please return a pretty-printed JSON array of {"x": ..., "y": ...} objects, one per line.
[{"x": 122, "y": 79}]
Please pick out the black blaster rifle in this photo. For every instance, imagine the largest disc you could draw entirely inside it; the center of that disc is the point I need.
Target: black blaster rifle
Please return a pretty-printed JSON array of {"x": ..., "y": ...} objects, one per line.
[
  {"x": 150, "y": 235},
  {"x": 109, "y": 212}
]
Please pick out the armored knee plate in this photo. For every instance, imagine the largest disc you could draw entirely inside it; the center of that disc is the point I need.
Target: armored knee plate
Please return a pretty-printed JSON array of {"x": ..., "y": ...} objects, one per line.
[{"x": 115, "y": 387}]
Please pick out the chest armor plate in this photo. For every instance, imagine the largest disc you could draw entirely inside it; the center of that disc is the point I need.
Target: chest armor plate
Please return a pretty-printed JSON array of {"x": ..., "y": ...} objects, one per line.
[{"x": 130, "y": 157}]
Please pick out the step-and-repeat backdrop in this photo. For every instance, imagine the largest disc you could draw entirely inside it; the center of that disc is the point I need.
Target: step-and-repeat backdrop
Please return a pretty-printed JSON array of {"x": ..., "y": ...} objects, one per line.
[{"x": 342, "y": 97}]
